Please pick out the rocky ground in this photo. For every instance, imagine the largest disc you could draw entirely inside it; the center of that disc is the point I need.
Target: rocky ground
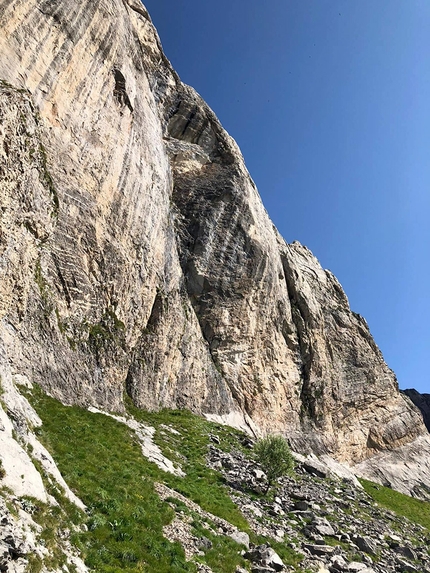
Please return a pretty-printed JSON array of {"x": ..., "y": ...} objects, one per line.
[
  {"x": 332, "y": 522},
  {"x": 24, "y": 545}
]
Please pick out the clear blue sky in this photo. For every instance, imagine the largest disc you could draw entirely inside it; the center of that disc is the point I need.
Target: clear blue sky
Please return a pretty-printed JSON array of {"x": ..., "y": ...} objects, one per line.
[{"x": 329, "y": 101}]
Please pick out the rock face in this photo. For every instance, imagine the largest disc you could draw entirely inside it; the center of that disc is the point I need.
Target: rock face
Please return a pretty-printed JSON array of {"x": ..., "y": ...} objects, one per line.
[
  {"x": 405, "y": 469},
  {"x": 136, "y": 254},
  {"x": 421, "y": 401}
]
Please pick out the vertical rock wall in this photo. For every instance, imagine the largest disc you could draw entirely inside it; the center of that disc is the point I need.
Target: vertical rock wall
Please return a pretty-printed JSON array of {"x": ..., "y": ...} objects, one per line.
[{"x": 136, "y": 255}]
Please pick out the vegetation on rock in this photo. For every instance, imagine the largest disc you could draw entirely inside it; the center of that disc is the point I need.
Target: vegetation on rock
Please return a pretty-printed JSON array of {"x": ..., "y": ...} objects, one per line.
[
  {"x": 415, "y": 510},
  {"x": 141, "y": 518},
  {"x": 274, "y": 455},
  {"x": 102, "y": 462}
]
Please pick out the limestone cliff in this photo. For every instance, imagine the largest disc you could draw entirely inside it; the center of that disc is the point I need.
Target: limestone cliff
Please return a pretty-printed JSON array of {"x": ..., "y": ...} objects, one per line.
[{"x": 136, "y": 254}]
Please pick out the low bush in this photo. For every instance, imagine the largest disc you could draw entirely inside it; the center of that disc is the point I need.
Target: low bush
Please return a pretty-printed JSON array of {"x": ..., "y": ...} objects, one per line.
[{"x": 274, "y": 456}]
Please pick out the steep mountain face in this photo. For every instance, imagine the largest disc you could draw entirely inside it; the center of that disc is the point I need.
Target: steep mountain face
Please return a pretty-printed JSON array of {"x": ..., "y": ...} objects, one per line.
[
  {"x": 421, "y": 401},
  {"x": 136, "y": 254}
]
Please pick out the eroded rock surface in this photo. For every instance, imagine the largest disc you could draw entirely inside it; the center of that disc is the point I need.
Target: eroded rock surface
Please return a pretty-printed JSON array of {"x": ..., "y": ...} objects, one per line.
[
  {"x": 136, "y": 253},
  {"x": 421, "y": 401},
  {"x": 405, "y": 469},
  {"x": 27, "y": 473}
]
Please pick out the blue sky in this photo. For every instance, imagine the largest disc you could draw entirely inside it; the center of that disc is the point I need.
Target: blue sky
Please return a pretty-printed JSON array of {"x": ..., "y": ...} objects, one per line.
[{"x": 329, "y": 101}]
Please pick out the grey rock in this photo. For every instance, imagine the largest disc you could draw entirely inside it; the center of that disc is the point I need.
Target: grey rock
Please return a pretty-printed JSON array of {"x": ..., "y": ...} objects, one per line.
[
  {"x": 259, "y": 474},
  {"x": 365, "y": 544},
  {"x": 407, "y": 552},
  {"x": 407, "y": 567},
  {"x": 263, "y": 556},
  {"x": 276, "y": 510},
  {"x": 321, "y": 550},
  {"x": 356, "y": 567},
  {"x": 204, "y": 543},
  {"x": 322, "y": 526},
  {"x": 5, "y": 556},
  {"x": 255, "y": 510},
  {"x": 422, "y": 401},
  {"x": 338, "y": 564},
  {"x": 240, "y": 537},
  {"x": 314, "y": 467},
  {"x": 402, "y": 469},
  {"x": 302, "y": 505}
]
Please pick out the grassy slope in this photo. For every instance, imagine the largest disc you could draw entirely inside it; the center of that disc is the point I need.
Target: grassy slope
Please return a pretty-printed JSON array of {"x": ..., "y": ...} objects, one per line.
[
  {"x": 413, "y": 509},
  {"x": 102, "y": 462}
]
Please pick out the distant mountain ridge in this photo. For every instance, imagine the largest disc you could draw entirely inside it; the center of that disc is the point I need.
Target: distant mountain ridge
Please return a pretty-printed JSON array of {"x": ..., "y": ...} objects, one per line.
[{"x": 421, "y": 401}]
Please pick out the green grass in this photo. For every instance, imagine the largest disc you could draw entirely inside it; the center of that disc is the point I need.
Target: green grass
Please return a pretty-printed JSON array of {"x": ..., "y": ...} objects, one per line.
[
  {"x": 101, "y": 460},
  {"x": 413, "y": 509},
  {"x": 103, "y": 464},
  {"x": 52, "y": 519},
  {"x": 202, "y": 485},
  {"x": 224, "y": 555}
]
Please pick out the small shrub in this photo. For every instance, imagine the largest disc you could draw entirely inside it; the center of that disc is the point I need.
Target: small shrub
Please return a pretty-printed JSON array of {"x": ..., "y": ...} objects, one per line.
[{"x": 274, "y": 455}]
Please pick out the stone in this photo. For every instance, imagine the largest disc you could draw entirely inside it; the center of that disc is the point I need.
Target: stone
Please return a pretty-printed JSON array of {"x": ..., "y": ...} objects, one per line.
[
  {"x": 276, "y": 510},
  {"x": 314, "y": 467},
  {"x": 407, "y": 552},
  {"x": 407, "y": 567},
  {"x": 320, "y": 550},
  {"x": 204, "y": 543},
  {"x": 302, "y": 505},
  {"x": 422, "y": 401},
  {"x": 240, "y": 537},
  {"x": 365, "y": 544},
  {"x": 259, "y": 474},
  {"x": 356, "y": 567},
  {"x": 322, "y": 526},
  {"x": 367, "y": 523},
  {"x": 402, "y": 469},
  {"x": 338, "y": 563},
  {"x": 5, "y": 556},
  {"x": 20, "y": 474},
  {"x": 272, "y": 559},
  {"x": 266, "y": 557},
  {"x": 255, "y": 510}
]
